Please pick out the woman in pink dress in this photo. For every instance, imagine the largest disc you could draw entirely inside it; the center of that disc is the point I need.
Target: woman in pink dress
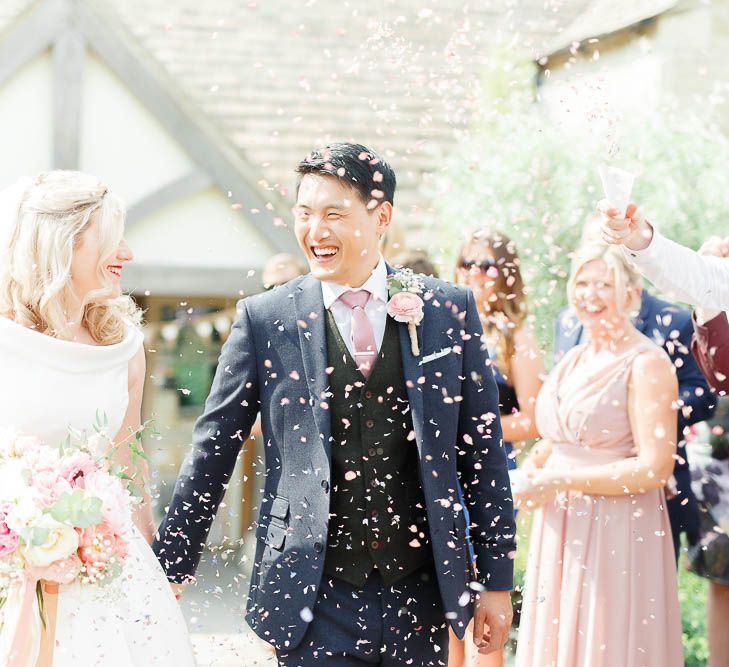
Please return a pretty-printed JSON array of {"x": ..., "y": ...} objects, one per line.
[{"x": 601, "y": 584}]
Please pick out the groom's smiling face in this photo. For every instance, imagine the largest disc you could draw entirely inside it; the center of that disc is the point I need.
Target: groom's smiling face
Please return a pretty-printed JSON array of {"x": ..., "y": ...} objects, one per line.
[{"x": 337, "y": 232}]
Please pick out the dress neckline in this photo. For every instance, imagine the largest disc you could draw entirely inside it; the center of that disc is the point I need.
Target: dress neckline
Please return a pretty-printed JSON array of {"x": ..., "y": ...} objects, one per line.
[{"x": 67, "y": 354}]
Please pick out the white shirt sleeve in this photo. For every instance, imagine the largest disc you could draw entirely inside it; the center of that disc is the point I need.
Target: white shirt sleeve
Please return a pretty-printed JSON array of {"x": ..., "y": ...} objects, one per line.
[{"x": 683, "y": 274}]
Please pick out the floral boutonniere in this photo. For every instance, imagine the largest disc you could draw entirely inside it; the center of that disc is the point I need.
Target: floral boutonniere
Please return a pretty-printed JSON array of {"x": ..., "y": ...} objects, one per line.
[{"x": 405, "y": 305}]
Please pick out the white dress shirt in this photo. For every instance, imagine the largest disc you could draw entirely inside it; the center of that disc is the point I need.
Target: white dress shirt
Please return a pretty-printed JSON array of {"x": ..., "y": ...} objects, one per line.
[
  {"x": 682, "y": 273},
  {"x": 376, "y": 307}
]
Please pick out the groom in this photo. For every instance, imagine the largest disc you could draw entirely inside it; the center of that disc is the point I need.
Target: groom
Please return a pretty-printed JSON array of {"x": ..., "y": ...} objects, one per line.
[{"x": 379, "y": 435}]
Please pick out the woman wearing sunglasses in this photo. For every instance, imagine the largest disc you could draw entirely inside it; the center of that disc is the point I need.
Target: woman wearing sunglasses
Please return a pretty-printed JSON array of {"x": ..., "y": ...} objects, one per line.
[{"x": 489, "y": 265}]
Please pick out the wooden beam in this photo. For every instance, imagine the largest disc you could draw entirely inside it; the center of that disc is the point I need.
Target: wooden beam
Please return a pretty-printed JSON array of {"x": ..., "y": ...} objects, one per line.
[
  {"x": 189, "y": 184},
  {"x": 29, "y": 36},
  {"x": 69, "y": 56},
  {"x": 205, "y": 145},
  {"x": 198, "y": 281}
]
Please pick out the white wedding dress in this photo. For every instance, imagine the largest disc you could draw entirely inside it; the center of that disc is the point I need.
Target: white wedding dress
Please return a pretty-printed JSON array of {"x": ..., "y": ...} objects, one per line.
[{"x": 47, "y": 385}]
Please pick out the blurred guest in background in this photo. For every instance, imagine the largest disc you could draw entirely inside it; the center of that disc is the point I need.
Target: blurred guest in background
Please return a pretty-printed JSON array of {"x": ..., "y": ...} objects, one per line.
[
  {"x": 601, "y": 583},
  {"x": 709, "y": 556},
  {"x": 711, "y": 329},
  {"x": 281, "y": 268},
  {"x": 670, "y": 327},
  {"x": 489, "y": 264},
  {"x": 417, "y": 260}
]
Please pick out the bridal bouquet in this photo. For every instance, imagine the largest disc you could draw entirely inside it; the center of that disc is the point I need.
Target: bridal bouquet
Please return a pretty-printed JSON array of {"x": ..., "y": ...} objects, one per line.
[{"x": 65, "y": 516}]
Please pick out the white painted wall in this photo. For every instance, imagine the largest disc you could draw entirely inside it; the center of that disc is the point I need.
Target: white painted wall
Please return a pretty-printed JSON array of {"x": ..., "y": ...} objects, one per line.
[
  {"x": 135, "y": 154},
  {"x": 121, "y": 141},
  {"x": 684, "y": 58},
  {"x": 590, "y": 97},
  {"x": 199, "y": 230},
  {"x": 126, "y": 146},
  {"x": 25, "y": 122}
]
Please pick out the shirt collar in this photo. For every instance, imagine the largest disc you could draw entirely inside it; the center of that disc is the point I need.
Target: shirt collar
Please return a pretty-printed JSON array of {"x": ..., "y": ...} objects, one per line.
[{"x": 376, "y": 284}]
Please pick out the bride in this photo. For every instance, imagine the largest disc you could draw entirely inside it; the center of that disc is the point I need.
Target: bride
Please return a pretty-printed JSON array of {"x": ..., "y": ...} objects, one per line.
[{"x": 71, "y": 347}]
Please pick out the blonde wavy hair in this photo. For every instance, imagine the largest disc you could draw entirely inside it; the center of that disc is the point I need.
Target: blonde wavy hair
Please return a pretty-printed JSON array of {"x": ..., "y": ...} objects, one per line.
[
  {"x": 623, "y": 272},
  {"x": 35, "y": 287},
  {"x": 509, "y": 311}
]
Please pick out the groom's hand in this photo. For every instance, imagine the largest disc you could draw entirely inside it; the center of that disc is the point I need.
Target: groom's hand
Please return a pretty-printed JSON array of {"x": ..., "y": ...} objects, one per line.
[
  {"x": 178, "y": 589},
  {"x": 492, "y": 616}
]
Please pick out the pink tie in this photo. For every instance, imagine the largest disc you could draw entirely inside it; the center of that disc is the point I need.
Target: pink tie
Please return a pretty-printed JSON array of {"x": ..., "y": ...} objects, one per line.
[{"x": 363, "y": 336}]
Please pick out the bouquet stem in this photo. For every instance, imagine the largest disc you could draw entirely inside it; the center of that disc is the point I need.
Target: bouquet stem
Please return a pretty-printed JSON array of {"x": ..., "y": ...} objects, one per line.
[
  {"x": 48, "y": 632},
  {"x": 413, "y": 331}
]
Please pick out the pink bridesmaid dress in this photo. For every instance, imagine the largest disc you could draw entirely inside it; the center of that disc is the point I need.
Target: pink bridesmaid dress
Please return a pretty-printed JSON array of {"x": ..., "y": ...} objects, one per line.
[{"x": 601, "y": 586}]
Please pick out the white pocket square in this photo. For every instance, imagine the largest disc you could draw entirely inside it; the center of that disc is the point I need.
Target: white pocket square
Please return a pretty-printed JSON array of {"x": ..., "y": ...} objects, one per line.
[{"x": 435, "y": 355}]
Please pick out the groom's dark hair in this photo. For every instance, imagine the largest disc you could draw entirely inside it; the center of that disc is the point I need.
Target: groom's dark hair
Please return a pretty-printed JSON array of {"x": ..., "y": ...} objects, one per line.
[{"x": 360, "y": 168}]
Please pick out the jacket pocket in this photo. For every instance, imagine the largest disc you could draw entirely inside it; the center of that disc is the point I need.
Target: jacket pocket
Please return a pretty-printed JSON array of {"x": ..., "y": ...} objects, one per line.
[
  {"x": 273, "y": 534},
  {"x": 273, "y": 531}
]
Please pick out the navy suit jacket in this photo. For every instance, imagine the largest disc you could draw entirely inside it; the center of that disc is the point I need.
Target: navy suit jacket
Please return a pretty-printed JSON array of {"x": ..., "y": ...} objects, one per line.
[
  {"x": 275, "y": 362},
  {"x": 671, "y": 328}
]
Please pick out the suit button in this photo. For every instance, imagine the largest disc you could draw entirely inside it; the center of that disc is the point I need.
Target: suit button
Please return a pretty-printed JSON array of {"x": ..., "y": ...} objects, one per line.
[
  {"x": 375, "y": 544},
  {"x": 318, "y": 547},
  {"x": 374, "y": 514},
  {"x": 325, "y": 486},
  {"x": 368, "y": 394},
  {"x": 372, "y": 451},
  {"x": 369, "y": 423}
]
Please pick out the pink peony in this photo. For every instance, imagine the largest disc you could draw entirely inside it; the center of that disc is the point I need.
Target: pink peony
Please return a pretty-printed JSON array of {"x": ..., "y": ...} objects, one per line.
[
  {"x": 62, "y": 571},
  {"x": 50, "y": 486},
  {"x": 27, "y": 445},
  {"x": 98, "y": 546},
  {"x": 76, "y": 466},
  {"x": 37, "y": 457},
  {"x": 406, "y": 307},
  {"x": 116, "y": 506},
  {"x": 8, "y": 538}
]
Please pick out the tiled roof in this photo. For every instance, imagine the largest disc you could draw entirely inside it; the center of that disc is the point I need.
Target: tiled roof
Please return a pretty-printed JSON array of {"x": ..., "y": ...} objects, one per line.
[
  {"x": 604, "y": 17},
  {"x": 279, "y": 77}
]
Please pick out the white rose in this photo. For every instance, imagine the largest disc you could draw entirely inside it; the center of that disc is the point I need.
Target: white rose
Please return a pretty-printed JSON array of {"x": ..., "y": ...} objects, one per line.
[
  {"x": 7, "y": 442},
  {"x": 25, "y": 512},
  {"x": 62, "y": 541},
  {"x": 13, "y": 480}
]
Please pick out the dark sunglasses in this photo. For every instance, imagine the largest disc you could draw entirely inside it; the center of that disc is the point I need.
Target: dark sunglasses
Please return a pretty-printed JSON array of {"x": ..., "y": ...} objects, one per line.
[{"x": 484, "y": 265}]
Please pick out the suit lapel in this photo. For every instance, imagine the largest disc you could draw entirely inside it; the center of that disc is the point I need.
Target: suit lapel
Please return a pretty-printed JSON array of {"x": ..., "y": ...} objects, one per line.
[
  {"x": 642, "y": 322},
  {"x": 311, "y": 324},
  {"x": 573, "y": 336},
  {"x": 412, "y": 371},
  {"x": 571, "y": 331}
]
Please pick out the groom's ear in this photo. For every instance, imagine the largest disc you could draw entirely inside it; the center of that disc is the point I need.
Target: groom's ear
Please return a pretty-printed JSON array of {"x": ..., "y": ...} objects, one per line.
[{"x": 384, "y": 217}]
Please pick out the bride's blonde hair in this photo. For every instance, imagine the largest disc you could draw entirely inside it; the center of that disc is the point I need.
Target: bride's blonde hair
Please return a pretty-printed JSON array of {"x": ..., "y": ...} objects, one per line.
[{"x": 35, "y": 287}]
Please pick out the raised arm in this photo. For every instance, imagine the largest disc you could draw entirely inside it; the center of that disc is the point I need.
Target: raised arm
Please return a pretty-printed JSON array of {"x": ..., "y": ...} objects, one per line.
[
  {"x": 230, "y": 412},
  {"x": 680, "y": 272}
]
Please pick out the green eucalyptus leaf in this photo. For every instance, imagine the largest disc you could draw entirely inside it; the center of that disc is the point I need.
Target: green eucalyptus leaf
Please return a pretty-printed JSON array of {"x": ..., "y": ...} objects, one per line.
[{"x": 77, "y": 509}]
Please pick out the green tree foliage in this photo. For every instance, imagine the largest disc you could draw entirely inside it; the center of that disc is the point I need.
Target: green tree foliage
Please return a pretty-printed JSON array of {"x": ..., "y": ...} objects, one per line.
[{"x": 521, "y": 173}]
